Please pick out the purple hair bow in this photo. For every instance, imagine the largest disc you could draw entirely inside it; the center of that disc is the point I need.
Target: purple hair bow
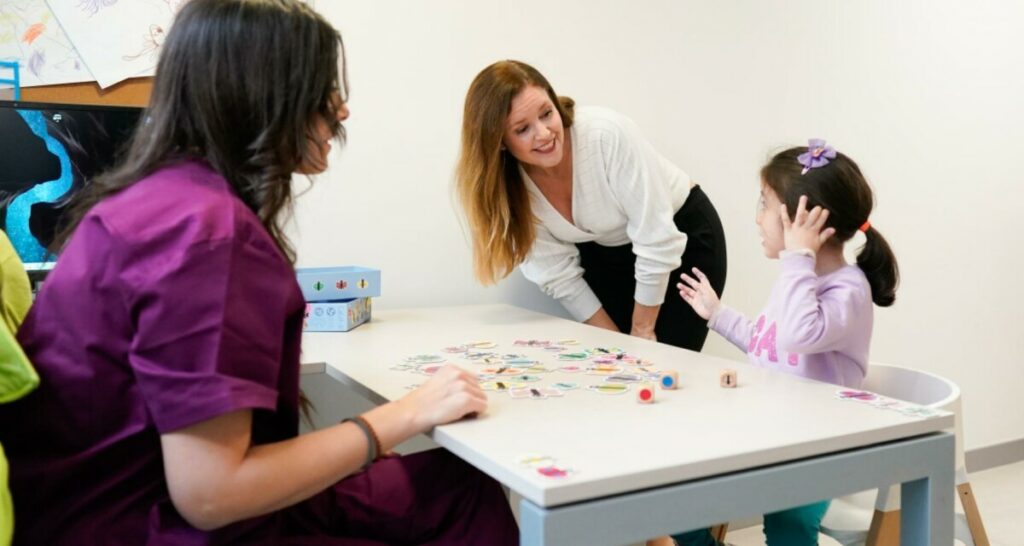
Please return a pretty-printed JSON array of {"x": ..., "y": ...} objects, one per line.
[{"x": 817, "y": 155}]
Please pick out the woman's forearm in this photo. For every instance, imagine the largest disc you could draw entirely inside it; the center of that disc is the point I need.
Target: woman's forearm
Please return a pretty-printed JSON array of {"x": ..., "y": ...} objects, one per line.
[
  {"x": 215, "y": 478},
  {"x": 644, "y": 319},
  {"x": 601, "y": 319}
]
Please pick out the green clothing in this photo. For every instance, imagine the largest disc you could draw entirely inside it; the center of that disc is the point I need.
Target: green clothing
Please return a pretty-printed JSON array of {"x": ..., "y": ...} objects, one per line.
[
  {"x": 15, "y": 290},
  {"x": 17, "y": 377}
]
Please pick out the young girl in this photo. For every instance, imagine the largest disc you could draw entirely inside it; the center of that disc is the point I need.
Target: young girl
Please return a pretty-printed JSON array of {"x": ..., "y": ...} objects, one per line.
[{"x": 817, "y": 322}]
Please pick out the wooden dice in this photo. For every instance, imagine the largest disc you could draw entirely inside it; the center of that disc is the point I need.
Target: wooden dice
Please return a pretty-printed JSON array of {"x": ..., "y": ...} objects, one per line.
[
  {"x": 727, "y": 379},
  {"x": 645, "y": 393},
  {"x": 669, "y": 381}
]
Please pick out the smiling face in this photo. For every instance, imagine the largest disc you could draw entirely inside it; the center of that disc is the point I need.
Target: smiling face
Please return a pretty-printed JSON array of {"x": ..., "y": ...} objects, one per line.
[
  {"x": 533, "y": 129},
  {"x": 769, "y": 224}
]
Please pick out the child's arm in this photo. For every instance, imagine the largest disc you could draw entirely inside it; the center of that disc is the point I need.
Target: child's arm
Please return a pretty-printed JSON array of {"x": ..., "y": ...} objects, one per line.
[
  {"x": 728, "y": 323},
  {"x": 810, "y": 322}
]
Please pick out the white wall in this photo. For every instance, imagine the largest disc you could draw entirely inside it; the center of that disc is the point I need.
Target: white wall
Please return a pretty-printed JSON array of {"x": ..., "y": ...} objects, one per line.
[{"x": 924, "y": 95}]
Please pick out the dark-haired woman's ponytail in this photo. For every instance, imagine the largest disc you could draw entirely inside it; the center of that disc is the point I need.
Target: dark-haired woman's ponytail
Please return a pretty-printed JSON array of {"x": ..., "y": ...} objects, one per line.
[{"x": 878, "y": 263}]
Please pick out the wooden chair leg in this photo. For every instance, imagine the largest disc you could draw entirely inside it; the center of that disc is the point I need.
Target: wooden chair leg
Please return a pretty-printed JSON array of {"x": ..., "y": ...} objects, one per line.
[
  {"x": 885, "y": 529},
  {"x": 973, "y": 515},
  {"x": 718, "y": 531}
]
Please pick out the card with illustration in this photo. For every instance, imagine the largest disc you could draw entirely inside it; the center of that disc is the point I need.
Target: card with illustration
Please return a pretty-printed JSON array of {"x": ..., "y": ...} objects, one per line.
[
  {"x": 572, "y": 356},
  {"x": 531, "y": 342},
  {"x": 501, "y": 370},
  {"x": 424, "y": 358},
  {"x": 429, "y": 369},
  {"x": 546, "y": 466},
  {"x": 480, "y": 355},
  {"x": 534, "y": 460},
  {"x": 555, "y": 472},
  {"x": 525, "y": 378},
  {"x": 609, "y": 388},
  {"x": 603, "y": 369},
  {"x": 855, "y": 395},
  {"x": 521, "y": 393},
  {"x": 522, "y": 362},
  {"x": 624, "y": 378},
  {"x": 500, "y": 385}
]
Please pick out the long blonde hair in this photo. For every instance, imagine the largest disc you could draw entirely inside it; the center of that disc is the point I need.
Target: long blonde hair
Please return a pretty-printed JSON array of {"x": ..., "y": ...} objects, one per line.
[{"x": 492, "y": 193}]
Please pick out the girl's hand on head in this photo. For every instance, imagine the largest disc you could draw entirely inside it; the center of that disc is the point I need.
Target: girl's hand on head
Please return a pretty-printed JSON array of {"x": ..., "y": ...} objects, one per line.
[
  {"x": 451, "y": 394},
  {"x": 806, "y": 229},
  {"x": 699, "y": 294}
]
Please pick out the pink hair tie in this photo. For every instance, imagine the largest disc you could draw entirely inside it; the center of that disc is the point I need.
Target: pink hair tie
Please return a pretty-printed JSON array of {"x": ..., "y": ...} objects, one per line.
[{"x": 864, "y": 227}]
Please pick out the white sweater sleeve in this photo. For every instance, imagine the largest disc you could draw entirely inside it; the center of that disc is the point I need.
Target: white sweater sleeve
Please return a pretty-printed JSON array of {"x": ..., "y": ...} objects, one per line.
[
  {"x": 636, "y": 174},
  {"x": 554, "y": 266}
]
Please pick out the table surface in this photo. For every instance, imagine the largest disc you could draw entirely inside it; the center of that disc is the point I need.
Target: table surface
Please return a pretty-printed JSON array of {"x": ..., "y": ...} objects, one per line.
[{"x": 612, "y": 443}]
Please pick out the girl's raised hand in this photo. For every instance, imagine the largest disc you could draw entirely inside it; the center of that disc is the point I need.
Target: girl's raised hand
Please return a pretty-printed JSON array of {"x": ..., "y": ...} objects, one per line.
[
  {"x": 699, "y": 294},
  {"x": 807, "y": 229}
]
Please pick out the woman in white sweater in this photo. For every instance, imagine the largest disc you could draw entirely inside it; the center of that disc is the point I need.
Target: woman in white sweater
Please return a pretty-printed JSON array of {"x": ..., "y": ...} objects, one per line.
[{"x": 583, "y": 203}]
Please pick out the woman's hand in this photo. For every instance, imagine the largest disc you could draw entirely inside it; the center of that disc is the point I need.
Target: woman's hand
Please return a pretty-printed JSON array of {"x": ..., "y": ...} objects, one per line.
[
  {"x": 699, "y": 294},
  {"x": 807, "y": 229},
  {"x": 451, "y": 394}
]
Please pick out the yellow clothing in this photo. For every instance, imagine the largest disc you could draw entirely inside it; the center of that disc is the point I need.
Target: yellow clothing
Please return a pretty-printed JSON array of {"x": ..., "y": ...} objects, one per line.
[
  {"x": 17, "y": 377},
  {"x": 15, "y": 290}
]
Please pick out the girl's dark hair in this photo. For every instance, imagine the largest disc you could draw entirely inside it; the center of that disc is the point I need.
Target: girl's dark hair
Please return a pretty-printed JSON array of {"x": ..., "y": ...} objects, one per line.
[
  {"x": 238, "y": 85},
  {"x": 840, "y": 188}
]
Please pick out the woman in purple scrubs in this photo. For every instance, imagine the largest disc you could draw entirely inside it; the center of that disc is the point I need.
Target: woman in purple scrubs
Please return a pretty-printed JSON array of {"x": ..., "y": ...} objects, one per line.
[{"x": 167, "y": 337}]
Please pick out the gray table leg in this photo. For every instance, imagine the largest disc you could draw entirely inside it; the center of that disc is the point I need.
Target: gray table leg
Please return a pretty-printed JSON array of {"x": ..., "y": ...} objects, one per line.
[{"x": 926, "y": 515}]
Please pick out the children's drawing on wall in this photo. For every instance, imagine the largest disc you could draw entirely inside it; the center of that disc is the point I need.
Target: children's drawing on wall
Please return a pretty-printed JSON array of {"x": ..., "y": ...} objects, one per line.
[
  {"x": 31, "y": 36},
  {"x": 117, "y": 40},
  {"x": 151, "y": 43},
  {"x": 94, "y": 6}
]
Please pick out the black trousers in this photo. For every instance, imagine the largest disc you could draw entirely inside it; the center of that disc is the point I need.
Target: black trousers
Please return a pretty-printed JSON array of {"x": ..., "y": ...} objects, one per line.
[{"x": 610, "y": 272}]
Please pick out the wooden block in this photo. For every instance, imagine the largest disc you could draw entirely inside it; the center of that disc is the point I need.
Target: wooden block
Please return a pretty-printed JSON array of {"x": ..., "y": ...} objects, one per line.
[
  {"x": 727, "y": 379},
  {"x": 669, "y": 381},
  {"x": 645, "y": 393}
]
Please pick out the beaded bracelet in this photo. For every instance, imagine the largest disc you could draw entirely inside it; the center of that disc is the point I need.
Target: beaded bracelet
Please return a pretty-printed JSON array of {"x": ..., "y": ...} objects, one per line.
[{"x": 371, "y": 438}]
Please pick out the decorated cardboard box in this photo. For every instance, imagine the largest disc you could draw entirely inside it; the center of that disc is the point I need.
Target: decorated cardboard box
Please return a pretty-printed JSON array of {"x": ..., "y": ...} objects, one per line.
[
  {"x": 336, "y": 316},
  {"x": 338, "y": 283}
]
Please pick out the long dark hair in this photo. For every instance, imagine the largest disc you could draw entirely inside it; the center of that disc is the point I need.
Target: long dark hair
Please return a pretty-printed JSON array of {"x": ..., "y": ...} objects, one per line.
[
  {"x": 238, "y": 86},
  {"x": 840, "y": 188}
]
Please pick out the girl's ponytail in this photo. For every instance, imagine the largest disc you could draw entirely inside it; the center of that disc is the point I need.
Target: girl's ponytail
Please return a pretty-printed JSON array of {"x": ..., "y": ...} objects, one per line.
[{"x": 878, "y": 263}]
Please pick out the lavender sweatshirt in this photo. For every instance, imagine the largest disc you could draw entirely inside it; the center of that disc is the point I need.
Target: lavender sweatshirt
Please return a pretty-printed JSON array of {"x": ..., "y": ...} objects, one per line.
[{"x": 816, "y": 327}]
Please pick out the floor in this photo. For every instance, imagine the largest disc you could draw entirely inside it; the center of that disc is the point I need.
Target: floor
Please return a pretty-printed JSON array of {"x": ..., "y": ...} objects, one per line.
[{"x": 1000, "y": 495}]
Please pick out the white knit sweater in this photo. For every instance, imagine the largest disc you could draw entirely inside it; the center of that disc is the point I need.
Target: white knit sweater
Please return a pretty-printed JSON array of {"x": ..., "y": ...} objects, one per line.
[{"x": 623, "y": 191}]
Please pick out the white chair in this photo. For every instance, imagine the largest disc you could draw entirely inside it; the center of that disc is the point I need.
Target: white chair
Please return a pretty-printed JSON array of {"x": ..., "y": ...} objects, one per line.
[{"x": 873, "y": 517}]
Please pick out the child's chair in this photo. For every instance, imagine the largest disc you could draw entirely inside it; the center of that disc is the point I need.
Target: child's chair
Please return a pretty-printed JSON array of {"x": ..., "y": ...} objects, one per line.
[{"x": 851, "y": 521}]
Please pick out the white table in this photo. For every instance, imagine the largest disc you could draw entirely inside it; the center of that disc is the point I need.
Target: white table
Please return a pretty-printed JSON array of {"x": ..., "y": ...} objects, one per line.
[{"x": 699, "y": 456}]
